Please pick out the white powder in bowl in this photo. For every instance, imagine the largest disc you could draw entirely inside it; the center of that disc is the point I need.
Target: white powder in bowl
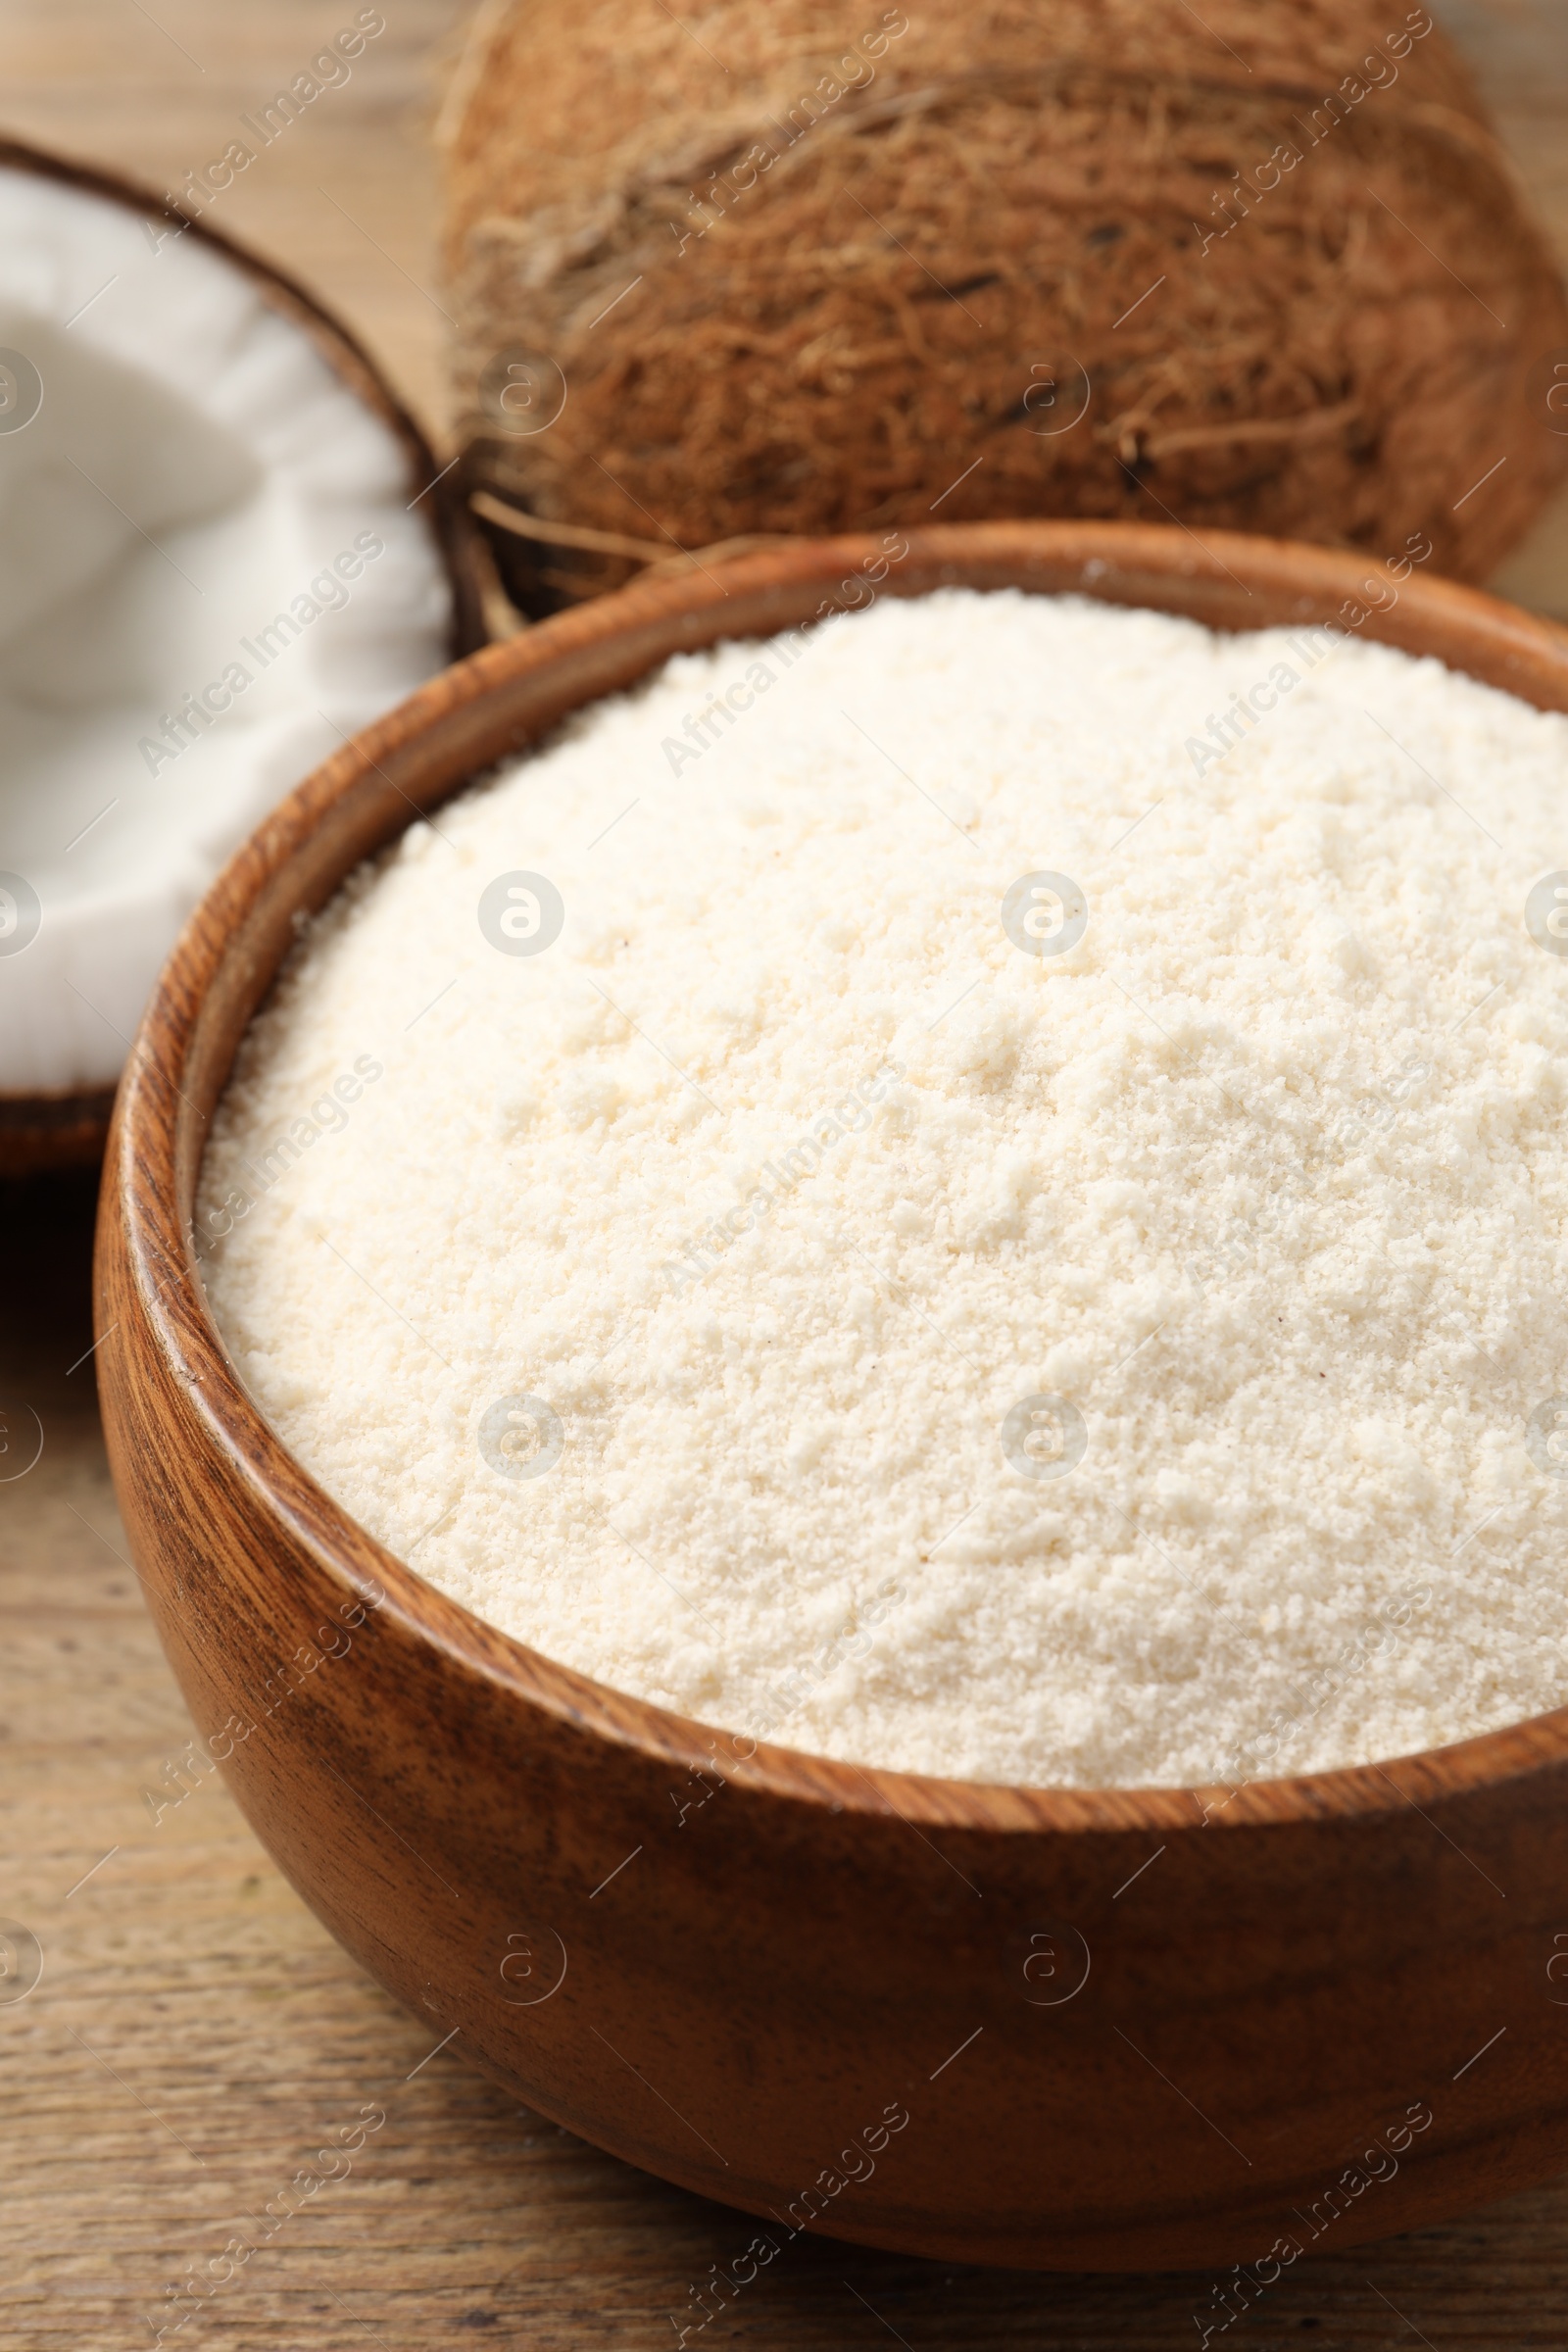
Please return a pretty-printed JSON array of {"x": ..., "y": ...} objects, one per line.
[{"x": 680, "y": 1294}]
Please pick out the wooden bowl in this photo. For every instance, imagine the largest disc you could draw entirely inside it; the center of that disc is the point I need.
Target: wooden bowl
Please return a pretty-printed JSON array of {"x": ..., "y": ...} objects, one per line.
[
  {"x": 67, "y": 1128},
  {"x": 1109, "y": 2028}
]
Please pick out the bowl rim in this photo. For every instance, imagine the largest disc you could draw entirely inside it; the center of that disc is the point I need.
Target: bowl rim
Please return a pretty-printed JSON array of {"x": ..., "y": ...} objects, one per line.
[{"x": 154, "y": 1162}]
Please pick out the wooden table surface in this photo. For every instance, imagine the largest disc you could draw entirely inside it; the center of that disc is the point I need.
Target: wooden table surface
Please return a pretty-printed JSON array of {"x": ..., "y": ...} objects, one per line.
[{"x": 194, "y": 2030}]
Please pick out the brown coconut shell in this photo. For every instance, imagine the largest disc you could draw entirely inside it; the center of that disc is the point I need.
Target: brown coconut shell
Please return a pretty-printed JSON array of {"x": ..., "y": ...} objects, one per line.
[
  {"x": 68, "y": 1129},
  {"x": 885, "y": 318}
]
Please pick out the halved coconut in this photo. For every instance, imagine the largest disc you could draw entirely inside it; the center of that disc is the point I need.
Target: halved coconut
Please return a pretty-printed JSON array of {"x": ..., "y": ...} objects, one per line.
[{"x": 222, "y": 552}]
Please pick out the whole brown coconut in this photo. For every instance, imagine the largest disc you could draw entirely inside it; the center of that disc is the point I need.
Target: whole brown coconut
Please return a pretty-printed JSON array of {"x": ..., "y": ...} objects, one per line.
[{"x": 808, "y": 266}]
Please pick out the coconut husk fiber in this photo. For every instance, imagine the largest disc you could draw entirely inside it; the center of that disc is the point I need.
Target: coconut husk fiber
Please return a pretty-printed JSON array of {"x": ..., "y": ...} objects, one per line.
[{"x": 793, "y": 268}]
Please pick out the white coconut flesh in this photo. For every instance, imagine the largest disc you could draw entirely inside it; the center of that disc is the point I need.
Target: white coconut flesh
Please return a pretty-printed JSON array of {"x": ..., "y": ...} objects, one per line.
[{"x": 209, "y": 573}]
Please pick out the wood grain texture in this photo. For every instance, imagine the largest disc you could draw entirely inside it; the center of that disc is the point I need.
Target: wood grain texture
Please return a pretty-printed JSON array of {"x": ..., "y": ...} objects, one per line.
[
  {"x": 189, "y": 1967},
  {"x": 503, "y": 1844},
  {"x": 346, "y": 196},
  {"x": 186, "y": 1960},
  {"x": 54, "y": 1130},
  {"x": 1519, "y": 50}
]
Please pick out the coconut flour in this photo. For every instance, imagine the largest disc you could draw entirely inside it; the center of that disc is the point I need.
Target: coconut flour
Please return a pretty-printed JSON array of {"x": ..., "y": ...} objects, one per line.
[{"x": 890, "y": 1191}]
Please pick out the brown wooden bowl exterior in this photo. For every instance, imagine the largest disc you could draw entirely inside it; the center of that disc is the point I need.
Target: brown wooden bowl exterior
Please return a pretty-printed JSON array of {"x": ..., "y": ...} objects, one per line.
[
  {"x": 42, "y": 1131},
  {"x": 755, "y": 1989}
]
